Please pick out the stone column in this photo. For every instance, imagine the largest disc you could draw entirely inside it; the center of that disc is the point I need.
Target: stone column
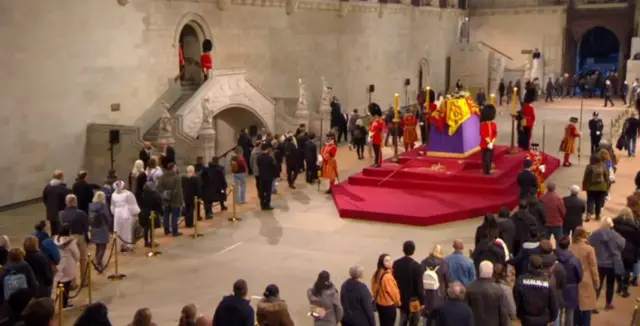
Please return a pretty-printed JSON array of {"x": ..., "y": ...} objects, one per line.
[{"x": 325, "y": 106}]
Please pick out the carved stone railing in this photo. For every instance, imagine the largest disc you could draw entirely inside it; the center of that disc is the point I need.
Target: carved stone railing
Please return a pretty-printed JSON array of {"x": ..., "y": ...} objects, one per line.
[
  {"x": 155, "y": 111},
  {"x": 226, "y": 88},
  {"x": 507, "y": 4}
]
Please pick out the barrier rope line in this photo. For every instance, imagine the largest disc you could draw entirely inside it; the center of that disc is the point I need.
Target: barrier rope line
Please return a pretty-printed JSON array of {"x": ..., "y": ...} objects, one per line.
[
  {"x": 105, "y": 266},
  {"x": 82, "y": 281}
]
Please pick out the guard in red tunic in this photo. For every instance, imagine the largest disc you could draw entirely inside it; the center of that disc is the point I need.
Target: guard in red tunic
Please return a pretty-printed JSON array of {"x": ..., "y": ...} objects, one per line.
[
  {"x": 537, "y": 159},
  {"x": 329, "y": 162},
  {"x": 181, "y": 60},
  {"x": 206, "y": 61},
  {"x": 426, "y": 114},
  {"x": 375, "y": 133},
  {"x": 568, "y": 144},
  {"x": 410, "y": 136},
  {"x": 528, "y": 119},
  {"x": 488, "y": 136}
]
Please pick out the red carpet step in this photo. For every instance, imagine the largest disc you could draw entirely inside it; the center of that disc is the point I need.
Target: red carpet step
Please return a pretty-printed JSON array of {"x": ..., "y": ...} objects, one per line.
[{"x": 423, "y": 190}]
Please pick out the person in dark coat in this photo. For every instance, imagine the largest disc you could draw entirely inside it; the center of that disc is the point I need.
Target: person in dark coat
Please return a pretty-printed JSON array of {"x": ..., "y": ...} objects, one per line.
[
  {"x": 278, "y": 154},
  {"x": 191, "y": 188},
  {"x": 302, "y": 137},
  {"x": 267, "y": 169},
  {"x": 39, "y": 265},
  {"x": 433, "y": 299},
  {"x": 531, "y": 247},
  {"x": 524, "y": 224},
  {"x": 356, "y": 299},
  {"x": 506, "y": 228},
  {"x": 199, "y": 166},
  {"x": 244, "y": 141},
  {"x": 145, "y": 154},
  {"x": 536, "y": 208},
  {"x": 575, "y": 207},
  {"x": 534, "y": 296},
  {"x": 489, "y": 224},
  {"x": 489, "y": 249},
  {"x": 453, "y": 312},
  {"x": 292, "y": 156},
  {"x": 95, "y": 314},
  {"x": 16, "y": 304},
  {"x": 17, "y": 265},
  {"x": 527, "y": 181},
  {"x": 137, "y": 179},
  {"x": 235, "y": 309},
  {"x": 168, "y": 154},
  {"x": 408, "y": 275},
  {"x": 574, "y": 273},
  {"x": 214, "y": 187},
  {"x": 311, "y": 159},
  {"x": 53, "y": 196},
  {"x": 596, "y": 130},
  {"x": 150, "y": 201},
  {"x": 554, "y": 269},
  {"x": 627, "y": 227},
  {"x": 272, "y": 310},
  {"x": 84, "y": 191},
  {"x": 487, "y": 299}
]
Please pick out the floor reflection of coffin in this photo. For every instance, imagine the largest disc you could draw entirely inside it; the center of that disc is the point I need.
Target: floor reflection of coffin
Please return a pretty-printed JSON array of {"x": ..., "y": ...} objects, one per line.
[{"x": 428, "y": 190}]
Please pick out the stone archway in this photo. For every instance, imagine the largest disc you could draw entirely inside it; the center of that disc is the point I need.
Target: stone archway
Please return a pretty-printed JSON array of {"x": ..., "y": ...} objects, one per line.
[
  {"x": 191, "y": 30},
  {"x": 424, "y": 74},
  {"x": 607, "y": 41},
  {"x": 230, "y": 120}
]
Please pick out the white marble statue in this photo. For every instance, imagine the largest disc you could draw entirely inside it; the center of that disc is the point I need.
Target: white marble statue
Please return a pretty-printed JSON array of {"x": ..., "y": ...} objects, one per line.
[
  {"x": 326, "y": 92},
  {"x": 166, "y": 123},
  {"x": 302, "y": 94},
  {"x": 207, "y": 112}
]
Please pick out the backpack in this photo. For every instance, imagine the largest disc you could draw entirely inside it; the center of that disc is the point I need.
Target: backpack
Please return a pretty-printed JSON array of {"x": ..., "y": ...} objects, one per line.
[
  {"x": 13, "y": 282},
  {"x": 597, "y": 175},
  {"x": 97, "y": 219},
  {"x": 430, "y": 279},
  {"x": 234, "y": 166},
  {"x": 357, "y": 133}
]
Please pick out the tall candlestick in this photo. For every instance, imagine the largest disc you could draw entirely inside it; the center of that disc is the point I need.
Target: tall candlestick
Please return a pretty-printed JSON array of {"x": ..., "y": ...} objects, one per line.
[
  {"x": 427, "y": 98},
  {"x": 515, "y": 100},
  {"x": 396, "y": 105},
  {"x": 493, "y": 99}
]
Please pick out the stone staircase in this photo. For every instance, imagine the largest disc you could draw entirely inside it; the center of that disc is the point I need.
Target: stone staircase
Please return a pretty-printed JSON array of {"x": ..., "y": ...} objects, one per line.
[{"x": 187, "y": 91}]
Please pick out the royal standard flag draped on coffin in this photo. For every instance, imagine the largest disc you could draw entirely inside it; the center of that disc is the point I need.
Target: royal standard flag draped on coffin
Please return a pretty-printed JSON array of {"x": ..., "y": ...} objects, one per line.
[{"x": 453, "y": 112}]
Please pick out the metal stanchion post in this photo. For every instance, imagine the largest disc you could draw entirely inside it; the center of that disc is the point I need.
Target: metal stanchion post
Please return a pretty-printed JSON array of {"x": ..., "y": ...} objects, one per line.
[
  {"x": 196, "y": 234},
  {"x": 89, "y": 267},
  {"x": 152, "y": 239},
  {"x": 234, "y": 216},
  {"x": 116, "y": 275},
  {"x": 60, "y": 292}
]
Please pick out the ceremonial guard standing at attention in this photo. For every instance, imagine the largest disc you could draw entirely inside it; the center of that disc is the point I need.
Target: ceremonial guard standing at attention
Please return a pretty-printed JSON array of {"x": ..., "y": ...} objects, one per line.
[
  {"x": 375, "y": 133},
  {"x": 329, "y": 162},
  {"x": 538, "y": 166},
  {"x": 428, "y": 110},
  {"x": 528, "y": 119},
  {"x": 568, "y": 144},
  {"x": 596, "y": 127},
  {"x": 488, "y": 136},
  {"x": 206, "y": 61},
  {"x": 410, "y": 135}
]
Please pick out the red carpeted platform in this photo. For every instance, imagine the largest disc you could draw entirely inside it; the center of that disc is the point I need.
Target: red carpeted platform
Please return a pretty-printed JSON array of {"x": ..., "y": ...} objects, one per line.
[{"x": 423, "y": 190}]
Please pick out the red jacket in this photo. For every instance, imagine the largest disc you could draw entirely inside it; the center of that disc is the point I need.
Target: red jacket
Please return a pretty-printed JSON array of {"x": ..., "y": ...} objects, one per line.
[
  {"x": 528, "y": 116},
  {"x": 376, "y": 131},
  {"x": 206, "y": 61},
  {"x": 553, "y": 208},
  {"x": 489, "y": 130}
]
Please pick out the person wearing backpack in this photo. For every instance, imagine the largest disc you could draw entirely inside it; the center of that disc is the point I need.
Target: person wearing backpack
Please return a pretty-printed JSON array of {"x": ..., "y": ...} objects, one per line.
[
  {"x": 16, "y": 274},
  {"x": 99, "y": 219},
  {"x": 435, "y": 280},
  {"x": 596, "y": 183}
]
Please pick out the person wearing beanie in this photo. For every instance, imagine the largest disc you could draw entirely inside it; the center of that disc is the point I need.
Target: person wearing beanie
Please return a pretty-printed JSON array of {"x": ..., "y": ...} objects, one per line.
[
  {"x": 271, "y": 309},
  {"x": 535, "y": 297},
  {"x": 487, "y": 300},
  {"x": 527, "y": 180},
  {"x": 235, "y": 309}
]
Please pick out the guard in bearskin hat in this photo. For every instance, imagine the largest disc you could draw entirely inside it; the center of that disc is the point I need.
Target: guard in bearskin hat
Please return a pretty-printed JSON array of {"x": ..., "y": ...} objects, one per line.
[
  {"x": 375, "y": 133},
  {"x": 206, "y": 61},
  {"x": 488, "y": 136},
  {"x": 425, "y": 114},
  {"x": 328, "y": 160},
  {"x": 568, "y": 144},
  {"x": 528, "y": 119}
]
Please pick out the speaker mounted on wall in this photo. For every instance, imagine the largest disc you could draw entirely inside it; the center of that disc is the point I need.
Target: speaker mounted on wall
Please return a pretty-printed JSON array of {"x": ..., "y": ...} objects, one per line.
[
  {"x": 114, "y": 136},
  {"x": 407, "y": 82},
  {"x": 372, "y": 88}
]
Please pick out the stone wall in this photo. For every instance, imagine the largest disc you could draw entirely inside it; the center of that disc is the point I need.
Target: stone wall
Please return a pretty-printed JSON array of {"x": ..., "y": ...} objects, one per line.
[
  {"x": 65, "y": 62},
  {"x": 513, "y": 30}
]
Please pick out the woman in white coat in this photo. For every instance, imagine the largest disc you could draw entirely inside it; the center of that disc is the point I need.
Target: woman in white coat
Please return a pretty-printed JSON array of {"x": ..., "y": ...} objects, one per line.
[
  {"x": 125, "y": 210},
  {"x": 68, "y": 266}
]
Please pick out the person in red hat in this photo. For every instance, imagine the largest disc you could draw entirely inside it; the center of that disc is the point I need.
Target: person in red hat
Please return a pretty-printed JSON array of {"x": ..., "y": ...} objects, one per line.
[
  {"x": 568, "y": 144},
  {"x": 329, "y": 162}
]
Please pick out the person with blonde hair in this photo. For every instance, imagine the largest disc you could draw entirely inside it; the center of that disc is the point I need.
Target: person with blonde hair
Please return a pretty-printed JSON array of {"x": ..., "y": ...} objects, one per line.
[
  {"x": 435, "y": 279},
  {"x": 191, "y": 191},
  {"x": 137, "y": 178},
  {"x": 608, "y": 245},
  {"x": 625, "y": 225},
  {"x": 100, "y": 220},
  {"x": 188, "y": 315}
]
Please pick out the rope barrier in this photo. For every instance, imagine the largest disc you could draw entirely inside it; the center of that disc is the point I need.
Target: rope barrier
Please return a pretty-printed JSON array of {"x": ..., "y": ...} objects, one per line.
[
  {"x": 196, "y": 205},
  {"x": 60, "y": 291},
  {"x": 98, "y": 268},
  {"x": 82, "y": 281},
  {"x": 116, "y": 276},
  {"x": 152, "y": 242},
  {"x": 234, "y": 216}
]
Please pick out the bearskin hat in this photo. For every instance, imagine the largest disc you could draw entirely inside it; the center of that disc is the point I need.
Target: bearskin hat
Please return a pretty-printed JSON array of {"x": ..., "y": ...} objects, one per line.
[
  {"x": 374, "y": 109},
  {"x": 488, "y": 113},
  {"x": 529, "y": 95},
  {"x": 207, "y": 46}
]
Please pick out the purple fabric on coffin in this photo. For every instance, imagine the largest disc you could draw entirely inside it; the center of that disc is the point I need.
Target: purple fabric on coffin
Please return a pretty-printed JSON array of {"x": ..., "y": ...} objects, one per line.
[{"x": 466, "y": 138}]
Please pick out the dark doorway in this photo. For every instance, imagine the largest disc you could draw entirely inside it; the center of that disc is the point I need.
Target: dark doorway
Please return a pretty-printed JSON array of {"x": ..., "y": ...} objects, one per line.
[
  {"x": 191, "y": 51},
  {"x": 599, "y": 49},
  {"x": 420, "y": 75}
]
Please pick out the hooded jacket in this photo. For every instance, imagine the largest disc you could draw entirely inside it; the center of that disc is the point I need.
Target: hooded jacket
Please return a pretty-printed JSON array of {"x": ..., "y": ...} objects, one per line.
[
  {"x": 234, "y": 310},
  {"x": 19, "y": 268},
  {"x": 273, "y": 312},
  {"x": 48, "y": 247},
  {"x": 558, "y": 275},
  {"x": 535, "y": 299},
  {"x": 574, "y": 273},
  {"x": 329, "y": 300}
]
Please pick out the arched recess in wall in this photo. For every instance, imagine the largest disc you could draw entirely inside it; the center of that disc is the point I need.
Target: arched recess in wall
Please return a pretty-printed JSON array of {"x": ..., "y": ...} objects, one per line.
[
  {"x": 600, "y": 45},
  {"x": 230, "y": 120},
  {"x": 191, "y": 30},
  {"x": 424, "y": 74}
]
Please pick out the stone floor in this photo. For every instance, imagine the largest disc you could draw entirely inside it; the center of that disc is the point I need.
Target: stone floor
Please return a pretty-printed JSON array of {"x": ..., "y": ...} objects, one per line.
[{"x": 301, "y": 237}]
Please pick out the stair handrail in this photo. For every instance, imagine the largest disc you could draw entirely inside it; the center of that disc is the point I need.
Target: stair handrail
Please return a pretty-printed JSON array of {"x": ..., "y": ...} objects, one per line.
[
  {"x": 495, "y": 50},
  {"x": 150, "y": 116},
  {"x": 260, "y": 90},
  {"x": 205, "y": 88}
]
